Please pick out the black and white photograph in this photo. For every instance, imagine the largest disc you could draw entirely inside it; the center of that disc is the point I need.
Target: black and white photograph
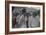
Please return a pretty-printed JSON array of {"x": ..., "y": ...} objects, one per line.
[{"x": 25, "y": 17}]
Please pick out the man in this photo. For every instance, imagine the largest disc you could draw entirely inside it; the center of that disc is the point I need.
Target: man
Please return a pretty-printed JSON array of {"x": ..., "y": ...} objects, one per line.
[
  {"x": 21, "y": 23},
  {"x": 35, "y": 20}
]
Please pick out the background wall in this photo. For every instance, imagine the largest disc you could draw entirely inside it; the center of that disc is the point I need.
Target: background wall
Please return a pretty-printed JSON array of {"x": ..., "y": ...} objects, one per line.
[{"x": 2, "y": 18}]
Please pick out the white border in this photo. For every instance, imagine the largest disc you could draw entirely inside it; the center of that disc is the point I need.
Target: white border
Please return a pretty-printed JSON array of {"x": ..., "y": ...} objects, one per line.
[{"x": 24, "y": 29}]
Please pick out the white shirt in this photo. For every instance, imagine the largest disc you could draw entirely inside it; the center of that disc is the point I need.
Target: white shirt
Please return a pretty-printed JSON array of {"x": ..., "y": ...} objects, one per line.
[
  {"x": 35, "y": 21},
  {"x": 21, "y": 21}
]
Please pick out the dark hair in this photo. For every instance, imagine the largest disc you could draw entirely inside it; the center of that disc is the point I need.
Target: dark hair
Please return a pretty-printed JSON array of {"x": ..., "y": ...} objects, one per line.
[
  {"x": 34, "y": 14},
  {"x": 23, "y": 11}
]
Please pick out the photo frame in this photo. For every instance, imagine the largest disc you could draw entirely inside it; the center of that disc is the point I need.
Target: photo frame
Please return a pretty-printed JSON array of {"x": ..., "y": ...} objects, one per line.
[{"x": 13, "y": 8}]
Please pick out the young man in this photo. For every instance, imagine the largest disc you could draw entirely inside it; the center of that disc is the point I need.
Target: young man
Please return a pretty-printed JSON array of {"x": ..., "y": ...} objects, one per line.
[
  {"x": 36, "y": 20},
  {"x": 21, "y": 23}
]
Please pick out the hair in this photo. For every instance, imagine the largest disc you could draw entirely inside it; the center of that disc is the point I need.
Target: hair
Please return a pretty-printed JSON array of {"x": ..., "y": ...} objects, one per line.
[
  {"x": 23, "y": 10},
  {"x": 34, "y": 14}
]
